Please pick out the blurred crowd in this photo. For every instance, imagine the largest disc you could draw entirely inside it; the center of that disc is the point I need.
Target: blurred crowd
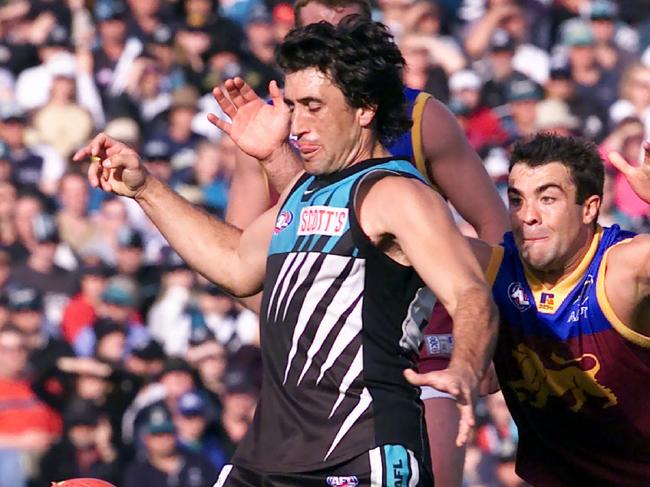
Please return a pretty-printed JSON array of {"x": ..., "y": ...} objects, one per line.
[{"x": 116, "y": 360}]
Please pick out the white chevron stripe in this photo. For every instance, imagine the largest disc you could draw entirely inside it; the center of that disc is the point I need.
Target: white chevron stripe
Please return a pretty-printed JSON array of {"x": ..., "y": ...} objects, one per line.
[
  {"x": 415, "y": 470},
  {"x": 343, "y": 299},
  {"x": 288, "y": 262},
  {"x": 350, "y": 330},
  {"x": 329, "y": 271},
  {"x": 302, "y": 266},
  {"x": 364, "y": 403},
  {"x": 353, "y": 372},
  {"x": 376, "y": 468},
  {"x": 302, "y": 276}
]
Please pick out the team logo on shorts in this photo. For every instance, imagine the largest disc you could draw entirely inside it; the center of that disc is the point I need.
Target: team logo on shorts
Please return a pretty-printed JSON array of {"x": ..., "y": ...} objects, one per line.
[
  {"x": 283, "y": 221},
  {"x": 518, "y": 296},
  {"x": 342, "y": 481}
]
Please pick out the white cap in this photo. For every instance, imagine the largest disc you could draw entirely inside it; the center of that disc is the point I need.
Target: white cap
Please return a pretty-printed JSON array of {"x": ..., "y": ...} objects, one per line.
[
  {"x": 465, "y": 79},
  {"x": 62, "y": 64}
]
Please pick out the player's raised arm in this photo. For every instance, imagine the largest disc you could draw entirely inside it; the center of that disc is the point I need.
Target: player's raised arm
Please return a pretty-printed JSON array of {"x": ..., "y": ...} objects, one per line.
[
  {"x": 460, "y": 174},
  {"x": 224, "y": 254}
]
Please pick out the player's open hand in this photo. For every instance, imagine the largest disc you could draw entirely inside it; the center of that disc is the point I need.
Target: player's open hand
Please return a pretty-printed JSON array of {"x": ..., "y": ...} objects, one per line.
[
  {"x": 256, "y": 127},
  {"x": 460, "y": 382},
  {"x": 637, "y": 176},
  {"x": 114, "y": 166}
]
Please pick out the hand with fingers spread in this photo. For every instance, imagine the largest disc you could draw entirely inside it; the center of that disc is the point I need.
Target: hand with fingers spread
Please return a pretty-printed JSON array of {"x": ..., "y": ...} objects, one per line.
[
  {"x": 114, "y": 167},
  {"x": 637, "y": 176},
  {"x": 256, "y": 127},
  {"x": 460, "y": 382}
]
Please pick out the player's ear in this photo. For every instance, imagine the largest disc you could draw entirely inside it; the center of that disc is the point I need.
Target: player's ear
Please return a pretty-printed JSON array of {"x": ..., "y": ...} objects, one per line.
[
  {"x": 366, "y": 115},
  {"x": 590, "y": 209}
]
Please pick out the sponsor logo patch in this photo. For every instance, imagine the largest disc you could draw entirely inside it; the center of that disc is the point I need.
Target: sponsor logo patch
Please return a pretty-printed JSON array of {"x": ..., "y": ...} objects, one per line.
[
  {"x": 283, "y": 221},
  {"x": 323, "y": 220},
  {"x": 518, "y": 296},
  {"x": 547, "y": 301},
  {"x": 343, "y": 481},
  {"x": 439, "y": 345}
]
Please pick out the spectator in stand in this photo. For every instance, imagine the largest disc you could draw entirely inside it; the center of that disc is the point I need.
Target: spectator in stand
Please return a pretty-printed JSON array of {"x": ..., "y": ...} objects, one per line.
[
  {"x": 27, "y": 425},
  {"x": 176, "y": 378},
  {"x": 27, "y": 206},
  {"x": 560, "y": 86},
  {"x": 51, "y": 122},
  {"x": 110, "y": 346},
  {"x": 194, "y": 431},
  {"x": 209, "y": 181},
  {"x": 180, "y": 135},
  {"x": 616, "y": 43},
  {"x": 26, "y": 314},
  {"x": 209, "y": 358},
  {"x": 157, "y": 155},
  {"x": 41, "y": 272},
  {"x": 482, "y": 126},
  {"x": 118, "y": 304},
  {"x": 591, "y": 80},
  {"x": 34, "y": 167},
  {"x": 131, "y": 263},
  {"x": 86, "y": 448},
  {"x": 242, "y": 386},
  {"x": 523, "y": 97},
  {"x": 33, "y": 84},
  {"x": 75, "y": 228},
  {"x": 494, "y": 92},
  {"x": 146, "y": 361},
  {"x": 149, "y": 93},
  {"x": 164, "y": 462},
  {"x": 108, "y": 221},
  {"x": 508, "y": 16},
  {"x": 634, "y": 101}
]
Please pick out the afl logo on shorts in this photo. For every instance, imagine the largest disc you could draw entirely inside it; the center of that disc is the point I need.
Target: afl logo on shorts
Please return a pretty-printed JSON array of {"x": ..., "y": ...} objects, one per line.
[
  {"x": 284, "y": 220},
  {"x": 518, "y": 296},
  {"x": 351, "y": 481}
]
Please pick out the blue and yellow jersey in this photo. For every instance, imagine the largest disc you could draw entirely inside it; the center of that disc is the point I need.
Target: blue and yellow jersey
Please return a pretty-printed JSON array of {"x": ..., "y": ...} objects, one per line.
[
  {"x": 409, "y": 144},
  {"x": 575, "y": 378}
]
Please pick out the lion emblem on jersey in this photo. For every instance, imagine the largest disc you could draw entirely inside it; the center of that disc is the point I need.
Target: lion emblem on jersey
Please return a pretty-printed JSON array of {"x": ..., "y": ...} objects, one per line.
[{"x": 540, "y": 382}]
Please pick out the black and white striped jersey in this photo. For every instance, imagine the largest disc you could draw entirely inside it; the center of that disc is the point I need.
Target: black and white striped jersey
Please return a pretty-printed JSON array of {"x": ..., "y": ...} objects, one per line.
[{"x": 340, "y": 321}]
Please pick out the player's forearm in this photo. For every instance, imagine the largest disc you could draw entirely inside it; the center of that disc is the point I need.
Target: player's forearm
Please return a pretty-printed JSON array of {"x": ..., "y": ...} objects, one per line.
[
  {"x": 282, "y": 166},
  {"x": 206, "y": 244},
  {"x": 475, "y": 331}
]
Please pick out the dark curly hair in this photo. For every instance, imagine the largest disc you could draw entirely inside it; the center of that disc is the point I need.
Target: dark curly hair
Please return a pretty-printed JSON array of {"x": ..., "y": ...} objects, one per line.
[
  {"x": 361, "y": 58},
  {"x": 579, "y": 155}
]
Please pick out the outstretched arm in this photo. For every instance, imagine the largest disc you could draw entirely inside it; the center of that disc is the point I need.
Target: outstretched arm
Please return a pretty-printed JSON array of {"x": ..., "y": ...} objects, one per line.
[
  {"x": 627, "y": 277},
  {"x": 425, "y": 232},
  {"x": 224, "y": 254},
  {"x": 456, "y": 168}
]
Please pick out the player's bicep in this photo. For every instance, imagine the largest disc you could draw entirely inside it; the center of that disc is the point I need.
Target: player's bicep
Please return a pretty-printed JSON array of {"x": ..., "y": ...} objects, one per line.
[{"x": 460, "y": 174}]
